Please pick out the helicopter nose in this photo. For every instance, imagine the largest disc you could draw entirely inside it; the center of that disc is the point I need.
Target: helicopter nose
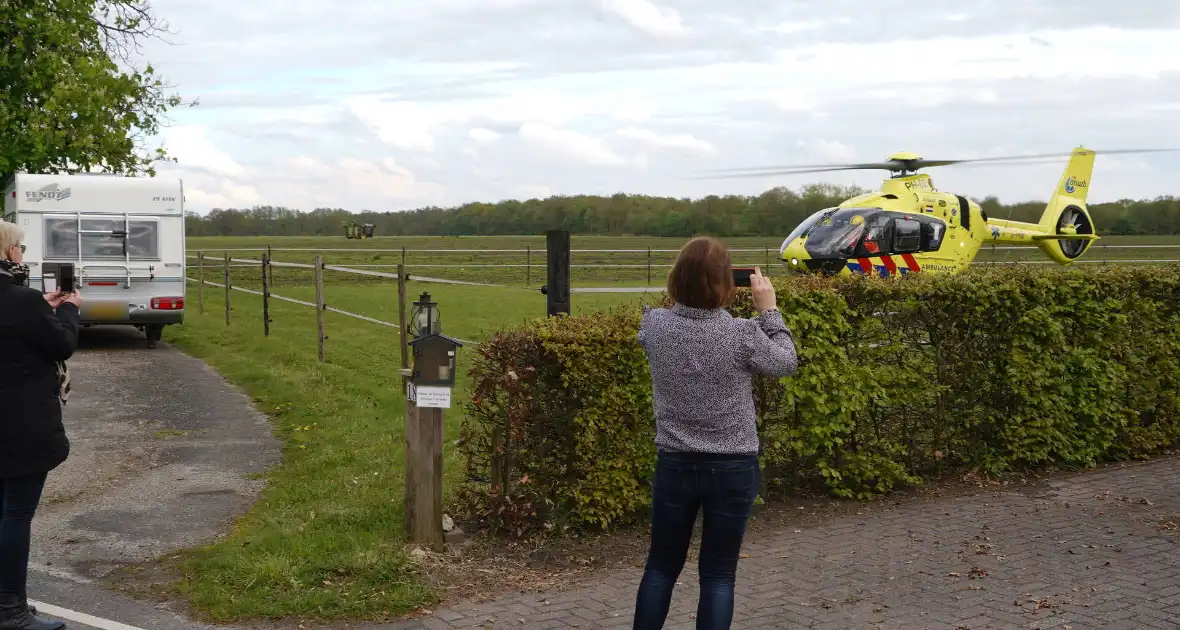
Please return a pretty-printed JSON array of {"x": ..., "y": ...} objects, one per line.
[{"x": 794, "y": 256}]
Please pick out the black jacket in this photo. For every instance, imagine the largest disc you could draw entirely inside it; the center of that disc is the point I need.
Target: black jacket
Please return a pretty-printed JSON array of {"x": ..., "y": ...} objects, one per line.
[{"x": 33, "y": 338}]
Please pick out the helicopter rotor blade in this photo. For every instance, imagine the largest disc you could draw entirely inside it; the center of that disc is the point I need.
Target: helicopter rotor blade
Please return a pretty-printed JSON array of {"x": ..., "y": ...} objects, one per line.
[
  {"x": 1020, "y": 158},
  {"x": 899, "y": 165},
  {"x": 789, "y": 171}
]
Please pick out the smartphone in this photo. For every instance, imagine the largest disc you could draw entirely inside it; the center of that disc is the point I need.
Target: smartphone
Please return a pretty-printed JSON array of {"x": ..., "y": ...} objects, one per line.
[
  {"x": 65, "y": 281},
  {"x": 741, "y": 276}
]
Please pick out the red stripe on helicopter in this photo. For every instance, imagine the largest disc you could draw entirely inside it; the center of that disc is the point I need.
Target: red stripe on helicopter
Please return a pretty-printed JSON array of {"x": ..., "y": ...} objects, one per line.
[
  {"x": 910, "y": 262},
  {"x": 890, "y": 265},
  {"x": 866, "y": 265}
]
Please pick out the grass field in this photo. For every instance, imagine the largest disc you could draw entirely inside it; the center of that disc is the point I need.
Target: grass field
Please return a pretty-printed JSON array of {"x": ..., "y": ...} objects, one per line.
[{"x": 325, "y": 539}]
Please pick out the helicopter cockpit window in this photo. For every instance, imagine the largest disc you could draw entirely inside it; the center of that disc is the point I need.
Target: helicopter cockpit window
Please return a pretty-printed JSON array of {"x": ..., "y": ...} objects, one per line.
[
  {"x": 808, "y": 223},
  {"x": 932, "y": 233},
  {"x": 878, "y": 239},
  {"x": 836, "y": 235},
  {"x": 908, "y": 237}
]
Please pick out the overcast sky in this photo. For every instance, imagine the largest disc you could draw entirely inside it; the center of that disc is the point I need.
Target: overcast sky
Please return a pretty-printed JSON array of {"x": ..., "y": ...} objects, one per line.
[{"x": 395, "y": 104}]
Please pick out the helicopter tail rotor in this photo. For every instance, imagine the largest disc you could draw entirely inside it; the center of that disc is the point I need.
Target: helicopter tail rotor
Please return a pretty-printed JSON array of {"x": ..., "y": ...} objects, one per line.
[{"x": 1066, "y": 213}]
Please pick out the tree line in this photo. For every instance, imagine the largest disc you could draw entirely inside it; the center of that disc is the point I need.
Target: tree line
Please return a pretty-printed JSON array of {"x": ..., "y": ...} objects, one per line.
[{"x": 776, "y": 211}]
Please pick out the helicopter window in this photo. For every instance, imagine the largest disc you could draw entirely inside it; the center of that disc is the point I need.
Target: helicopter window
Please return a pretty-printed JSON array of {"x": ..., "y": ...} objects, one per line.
[
  {"x": 908, "y": 237},
  {"x": 836, "y": 235},
  {"x": 804, "y": 227},
  {"x": 932, "y": 232},
  {"x": 878, "y": 238}
]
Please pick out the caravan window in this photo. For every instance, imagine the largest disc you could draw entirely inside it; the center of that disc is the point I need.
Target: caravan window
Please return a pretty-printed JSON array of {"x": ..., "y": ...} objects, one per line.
[{"x": 101, "y": 238}]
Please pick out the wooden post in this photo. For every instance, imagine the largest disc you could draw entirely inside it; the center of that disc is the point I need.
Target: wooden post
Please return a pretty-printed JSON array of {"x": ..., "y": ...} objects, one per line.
[
  {"x": 649, "y": 266},
  {"x": 401, "y": 319},
  {"x": 319, "y": 304},
  {"x": 528, "y": 264},
  {"x": 766, "y": 272},
  {"x": 557, "y": 275},
  {"x": 424, "y": 437},
  {"x": 266, "y": 294},
  {"x": 201, "y": 281},
  {"x": 227, "y": 289}
]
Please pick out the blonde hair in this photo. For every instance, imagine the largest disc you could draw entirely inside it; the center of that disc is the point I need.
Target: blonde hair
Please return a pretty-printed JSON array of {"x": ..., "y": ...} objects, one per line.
[{"x": 10, "y": 234}]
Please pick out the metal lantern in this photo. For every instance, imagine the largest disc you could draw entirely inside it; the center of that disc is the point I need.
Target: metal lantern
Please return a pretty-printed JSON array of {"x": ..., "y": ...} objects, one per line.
[{"x": 424, "y": 319}]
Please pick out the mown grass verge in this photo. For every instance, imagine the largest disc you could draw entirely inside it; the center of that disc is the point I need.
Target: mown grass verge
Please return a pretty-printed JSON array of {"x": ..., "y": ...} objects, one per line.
[{"x": 324, "y": 541}]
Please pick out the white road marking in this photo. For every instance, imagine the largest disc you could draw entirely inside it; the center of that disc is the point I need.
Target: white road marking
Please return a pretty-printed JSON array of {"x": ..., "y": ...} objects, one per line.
[{"x": 90, "y": 620}]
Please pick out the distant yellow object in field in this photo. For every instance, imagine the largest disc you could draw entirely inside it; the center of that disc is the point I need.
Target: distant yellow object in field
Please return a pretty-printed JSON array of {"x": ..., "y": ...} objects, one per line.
[{"x": 352, "y": 229}]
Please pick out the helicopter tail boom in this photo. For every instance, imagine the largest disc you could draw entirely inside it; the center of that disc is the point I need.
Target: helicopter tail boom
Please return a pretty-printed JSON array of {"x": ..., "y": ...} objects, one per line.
[{"x": 1065, "y": 230}]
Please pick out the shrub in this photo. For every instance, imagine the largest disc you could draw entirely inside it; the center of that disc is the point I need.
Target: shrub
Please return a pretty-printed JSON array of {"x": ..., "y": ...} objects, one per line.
[{"x": 998, "y": 370}]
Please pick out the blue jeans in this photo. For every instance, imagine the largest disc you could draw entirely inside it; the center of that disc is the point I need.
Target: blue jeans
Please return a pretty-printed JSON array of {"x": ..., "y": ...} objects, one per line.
[
  {"x": 723, "y": 487},
  {"x": 19, "y": 497}
]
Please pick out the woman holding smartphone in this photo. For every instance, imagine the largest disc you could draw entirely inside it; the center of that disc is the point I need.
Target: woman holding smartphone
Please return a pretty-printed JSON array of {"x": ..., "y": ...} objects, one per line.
[
  {"x": 38, "y": 332},
  {"x": 702, "y": 361}
]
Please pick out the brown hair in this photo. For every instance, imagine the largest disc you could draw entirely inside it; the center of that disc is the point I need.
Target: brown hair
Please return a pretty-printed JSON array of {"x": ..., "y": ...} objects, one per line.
[{"x": 703, "y": 275}]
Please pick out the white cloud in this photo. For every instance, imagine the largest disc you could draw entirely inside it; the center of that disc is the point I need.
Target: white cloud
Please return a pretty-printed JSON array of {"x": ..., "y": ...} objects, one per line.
[
  {"x": 192, "y": 145},
  {"x": 403, "y": 125},
  {"x": 574, "y": 147},
  {"x": 828, "y": 149},
  {"x": 479, "y": 134},
  {"x": 647, "y": 16},
  {"x": 635, "y": 95},
  {"x": 792, "y": 26},
  {"x": 685, "y": 142}
]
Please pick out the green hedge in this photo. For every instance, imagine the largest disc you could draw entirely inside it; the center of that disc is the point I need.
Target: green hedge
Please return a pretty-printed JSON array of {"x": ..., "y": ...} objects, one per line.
[{"x": 996, "y": 370}]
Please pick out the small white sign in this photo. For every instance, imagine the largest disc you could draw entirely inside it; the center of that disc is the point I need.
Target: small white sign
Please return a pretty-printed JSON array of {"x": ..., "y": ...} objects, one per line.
[{"x": 439, "y": 397}]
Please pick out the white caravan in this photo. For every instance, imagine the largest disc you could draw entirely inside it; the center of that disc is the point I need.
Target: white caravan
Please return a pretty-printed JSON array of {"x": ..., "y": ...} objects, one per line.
[{"x": 124, "y": 235}]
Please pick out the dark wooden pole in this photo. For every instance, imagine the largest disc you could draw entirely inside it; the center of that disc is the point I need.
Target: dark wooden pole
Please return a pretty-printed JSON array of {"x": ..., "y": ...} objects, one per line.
[
  {"x": 319, "y": 304},
  {"x": 227, "y": 289},
  {"x": 266, "y": 294},
  {"x": 201, "y": 281}
]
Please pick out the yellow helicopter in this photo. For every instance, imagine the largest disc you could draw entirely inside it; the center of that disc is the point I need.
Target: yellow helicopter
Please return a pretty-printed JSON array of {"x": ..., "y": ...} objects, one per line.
[{"x": 908, "y": 226}]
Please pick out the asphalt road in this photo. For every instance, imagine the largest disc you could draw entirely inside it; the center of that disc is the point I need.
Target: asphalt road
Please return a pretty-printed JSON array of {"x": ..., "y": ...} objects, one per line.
[{"x": 161, "y": 450}]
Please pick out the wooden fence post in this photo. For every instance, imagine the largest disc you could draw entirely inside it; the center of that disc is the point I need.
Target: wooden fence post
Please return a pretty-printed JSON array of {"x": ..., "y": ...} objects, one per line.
[
  {"x": 528, "y": 264},
  {"x": 319, "y": 303},
  {"x": 424, "y": 438},
  {"x": 266, "y": 294},
  {"x": 407, "y": 387},
  {"x": 401, "y": 320},
  {"x": 201, "y": 281},
  {"x": 649, "y": 266},
  {"x": 227, "y": 289}
]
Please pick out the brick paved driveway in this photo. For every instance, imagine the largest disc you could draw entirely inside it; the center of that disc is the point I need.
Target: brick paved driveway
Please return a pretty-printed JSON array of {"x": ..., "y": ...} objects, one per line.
[{"x": 1096, "y": 550}]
